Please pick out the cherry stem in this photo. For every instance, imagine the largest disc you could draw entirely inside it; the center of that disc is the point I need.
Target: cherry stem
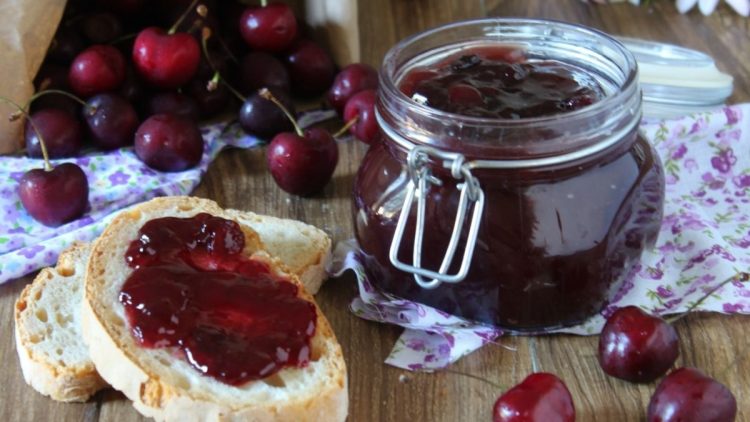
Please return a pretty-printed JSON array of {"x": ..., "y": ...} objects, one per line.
[
  {"x": 173, "y": 29},
  {"x": 346, "y": 127},
  {"x": 476, "y": 377},
  {"x": 47, "y": 165},
  {"x": 741, "y": 277},
  {"x": 205, "y": 35},
  {"x": 265, "y": 93},
  {"x": 123, "y": 38},
  {"x": 57, "y": 91}
]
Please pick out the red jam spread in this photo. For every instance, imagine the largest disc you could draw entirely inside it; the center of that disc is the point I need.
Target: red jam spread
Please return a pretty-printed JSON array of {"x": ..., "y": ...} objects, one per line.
[
  {"x": 499, "y": 83},
  {"x": 193, "y": 289}
]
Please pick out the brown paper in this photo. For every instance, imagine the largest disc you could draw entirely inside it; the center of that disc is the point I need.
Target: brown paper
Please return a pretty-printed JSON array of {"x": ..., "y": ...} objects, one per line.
[{"x": 26, "y": 30}]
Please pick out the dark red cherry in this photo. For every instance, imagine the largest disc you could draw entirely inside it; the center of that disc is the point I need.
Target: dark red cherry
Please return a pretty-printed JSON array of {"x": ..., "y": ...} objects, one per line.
[
  {"x": 636, "y": 346},
  {"x": 169, "y": 143},
  {"x": 261, "y": 117},
  {"x": 112, "y": 121},
  {"x": 97, "y": 69},
  {"x": 541, "y": 397},
  {"x": 350, "y": 80},
  {"x": 270, "y": 28},
  {"x": 262, "y": 70},
  {"x": 56, "y": 196},
  {"x": 311, "y": 68},
  {"x": 65, "y": 46},
  {"x": 362, "y": 107},
  {"x": 302, "y": 165},
  {"x": 175, "y": 104},
  {"x": 166, "y": 60},
  {"x": 101, "y": 28},
  {"x": 687, "y": 394},
  {"x": 60, "y": 131}
]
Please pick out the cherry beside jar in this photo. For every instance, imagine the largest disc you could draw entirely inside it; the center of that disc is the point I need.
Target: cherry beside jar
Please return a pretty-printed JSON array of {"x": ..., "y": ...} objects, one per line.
[{"x": 527, "y": 221}]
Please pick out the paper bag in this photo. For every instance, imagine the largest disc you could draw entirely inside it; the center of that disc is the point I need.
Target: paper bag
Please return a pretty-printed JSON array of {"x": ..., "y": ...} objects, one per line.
[{"x": 26, "y": 30}]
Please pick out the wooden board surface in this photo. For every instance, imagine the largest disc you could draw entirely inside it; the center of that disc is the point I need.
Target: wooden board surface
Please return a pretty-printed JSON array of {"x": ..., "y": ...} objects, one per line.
[{"x": 719, "y": 345}]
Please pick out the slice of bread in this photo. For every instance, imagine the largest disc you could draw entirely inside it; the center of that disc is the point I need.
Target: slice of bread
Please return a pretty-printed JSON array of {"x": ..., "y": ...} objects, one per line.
[
  {"x": 54, "y": 359},
  {"x": 70, "y": 375},
  {"x": 166, "y": 387}
]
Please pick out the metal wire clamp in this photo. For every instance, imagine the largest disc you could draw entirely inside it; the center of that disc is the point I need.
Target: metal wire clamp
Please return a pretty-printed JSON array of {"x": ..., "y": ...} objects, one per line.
[{"x": 470, "y": 193}]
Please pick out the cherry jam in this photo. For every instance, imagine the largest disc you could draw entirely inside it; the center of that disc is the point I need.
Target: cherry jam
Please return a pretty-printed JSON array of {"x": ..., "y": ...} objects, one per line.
[
  {"x": 229, "y": 315},
  {"x": 501, "y": 83},
  {"x": 542, "y": 117}
]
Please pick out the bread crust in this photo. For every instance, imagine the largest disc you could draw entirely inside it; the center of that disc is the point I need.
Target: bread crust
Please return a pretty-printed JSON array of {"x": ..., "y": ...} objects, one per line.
[
  {"x": 67, "y": 383},
  {"x": 155, "y": 387}
]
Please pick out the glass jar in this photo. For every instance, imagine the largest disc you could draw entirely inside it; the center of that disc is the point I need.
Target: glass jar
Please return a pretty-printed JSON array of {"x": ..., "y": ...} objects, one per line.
[{"x": 527, "y": 224}]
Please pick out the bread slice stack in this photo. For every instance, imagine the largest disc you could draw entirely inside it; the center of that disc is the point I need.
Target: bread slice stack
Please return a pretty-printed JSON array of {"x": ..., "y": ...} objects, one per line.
[{"x": 159, "y": 383}]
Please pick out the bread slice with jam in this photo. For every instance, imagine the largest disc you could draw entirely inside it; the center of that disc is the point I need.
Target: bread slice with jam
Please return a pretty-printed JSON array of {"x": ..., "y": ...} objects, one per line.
[{"x": 198, "y": 376}]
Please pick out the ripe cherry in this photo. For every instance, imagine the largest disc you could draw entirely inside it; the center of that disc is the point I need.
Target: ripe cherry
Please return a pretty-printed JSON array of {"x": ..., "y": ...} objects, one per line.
[
  {"x": 262, "y": 70},
  {"x": 166, "y": 60},
  {"x": 175, "y": 104},
  {"x": 261, "y": 117},
  {"x": 268, "y": 28},
  {"x": 210, "y": 97},
  {"x": 361, "y": 107},
  {"x": 97, "y": 69},
  {"x": 350, "y": 80},
  {"x": 52, "y": 196},
  {"x": 300, "y": 162},
  {"x": 311, "y": 68},
  {"x": 112, "y": 120},
  {"x": 541, "y": 397},
  {"x": 169, "y": 143},
  {"x": 636, "y": 346},
  {"x": 687, "y": 394},
  {"x": 60, "y": 130}
]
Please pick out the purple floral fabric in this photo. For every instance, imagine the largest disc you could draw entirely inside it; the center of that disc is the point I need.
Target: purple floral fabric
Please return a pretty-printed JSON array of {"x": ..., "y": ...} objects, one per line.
[
  {"x": 703, "y": 246},
  {"x": 117, "y": 179}
]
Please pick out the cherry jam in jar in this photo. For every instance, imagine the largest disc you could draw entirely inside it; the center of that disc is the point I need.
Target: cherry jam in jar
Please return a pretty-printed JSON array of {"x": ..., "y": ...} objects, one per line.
[{"x": 511, "y": 185}]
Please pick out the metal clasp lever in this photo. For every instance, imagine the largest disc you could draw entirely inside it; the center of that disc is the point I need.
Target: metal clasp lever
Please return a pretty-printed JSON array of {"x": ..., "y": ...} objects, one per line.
[{"x": 471, "y": 193}]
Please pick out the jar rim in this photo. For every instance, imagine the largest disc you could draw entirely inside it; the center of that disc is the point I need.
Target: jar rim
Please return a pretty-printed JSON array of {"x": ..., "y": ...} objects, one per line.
[{"x": 630, "y": 83}]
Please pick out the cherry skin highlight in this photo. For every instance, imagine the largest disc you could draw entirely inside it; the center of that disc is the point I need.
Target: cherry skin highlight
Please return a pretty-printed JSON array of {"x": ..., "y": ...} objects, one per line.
[
  {"x": 636, "y": 346},
  {"x": 169, "y": 143},
  {"x": 55, "y": 197},
  {"x": 271, "y": 28},
  {"x": 97, "y": 69},
  {"x": 302, "y": 165},
  {"x": 61, "y": 132},
  {"x": 166, "y": 60},
  {"x": 541, "y": 397},
  {"x": 362, "y": 107},
  {"x": 687, "y": 394}
]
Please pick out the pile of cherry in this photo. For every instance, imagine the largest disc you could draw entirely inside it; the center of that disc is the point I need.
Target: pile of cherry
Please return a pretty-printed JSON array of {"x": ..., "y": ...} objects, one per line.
[
  {"x": 115, "y": 77},
  {"x": 637, "y": 347}
]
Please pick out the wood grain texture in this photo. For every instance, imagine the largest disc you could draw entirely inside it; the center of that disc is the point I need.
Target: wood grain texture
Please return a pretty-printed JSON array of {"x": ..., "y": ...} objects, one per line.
[{"x": 717, "y": 344}]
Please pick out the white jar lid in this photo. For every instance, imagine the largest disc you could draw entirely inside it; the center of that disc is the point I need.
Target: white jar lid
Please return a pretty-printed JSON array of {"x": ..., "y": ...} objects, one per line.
[{"x": 677, "y": 81}]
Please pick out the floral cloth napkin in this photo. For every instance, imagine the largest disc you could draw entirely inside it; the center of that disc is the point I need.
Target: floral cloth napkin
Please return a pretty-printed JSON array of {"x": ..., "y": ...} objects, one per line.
[
  {"x": 117, "y": 179},
  {"x": 703, "y": 246}
]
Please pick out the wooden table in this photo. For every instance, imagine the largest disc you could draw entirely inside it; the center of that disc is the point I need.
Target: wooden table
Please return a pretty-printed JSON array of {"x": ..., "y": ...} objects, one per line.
[{"x": 719, "y": 345}]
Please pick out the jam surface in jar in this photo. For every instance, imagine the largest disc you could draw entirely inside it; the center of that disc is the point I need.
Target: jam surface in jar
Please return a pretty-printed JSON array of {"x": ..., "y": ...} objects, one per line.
[
  {"x": 500, "y": 83},
  {"x": 192, "y": 288}
]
